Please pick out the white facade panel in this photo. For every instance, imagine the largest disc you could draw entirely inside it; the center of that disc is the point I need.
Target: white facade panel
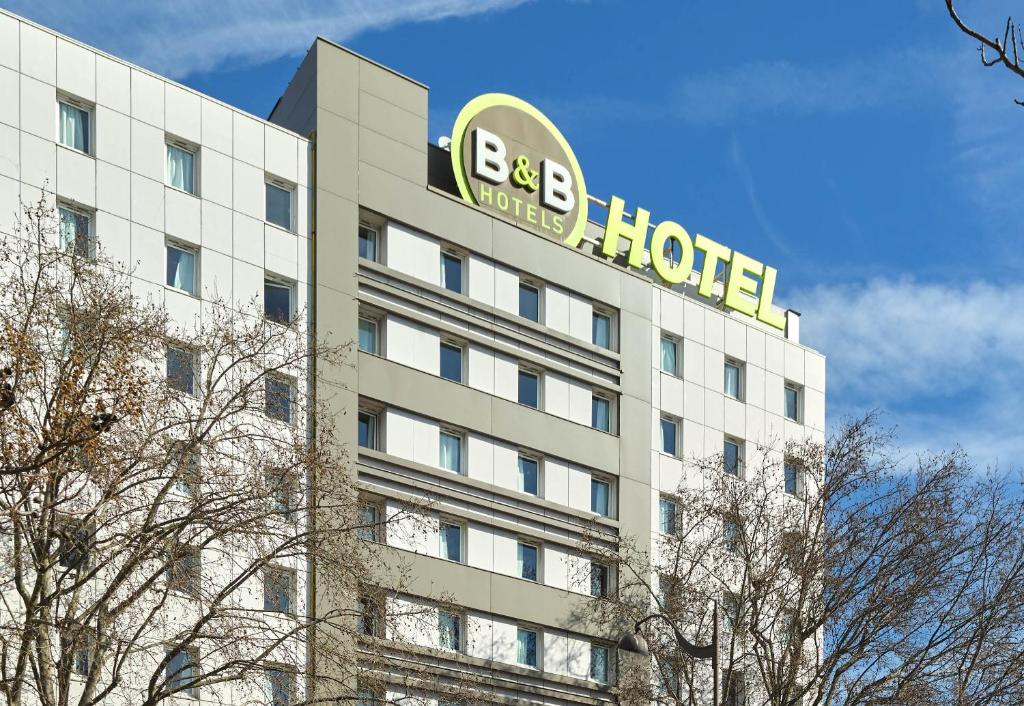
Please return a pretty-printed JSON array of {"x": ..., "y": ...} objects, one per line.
[
  {"x": 147, "y": 98},
  {"x": 76, "y": 70},
  {"x": 38, "y": 108},
  {"x": 182, "y": 113},
  {"x": 10, "y": 106},
  {"x": 38, "y": 54},
  {"x": 9, "y": 42},
  {"x": 113, "y": 85},
  {"x": 413, "y": 253},
  {"x": 10, "y": 152},
  {"x": 76, "y": 177},
  {"x": 111, "y": 129}
]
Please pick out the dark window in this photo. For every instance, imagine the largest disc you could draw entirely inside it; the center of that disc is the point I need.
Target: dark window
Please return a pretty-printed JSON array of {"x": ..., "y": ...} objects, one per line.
[
  {"x": 183, "y": 672},
  {"x": 279, "y": 206},
  {"x": 731, "y": 452},
  {"x": 279, "y": 591},
  {"x": 280, "y": 686},
  {"x": 367, "y": 243},
  {"x": 181, "y": 370},
  {"x": 529, "y": 389},
  {"x": 279, "y": 399},
  {"x": 75, "y": 230},
  {"x": 792, "y": 403},
  {"x": 451, "y": 542},
  {"x": 76, "y": 539},
  {"x": 277, "y": 301},
  {"x": 367, "y": 430},
  {"x": 792, "y": 477},
  {"x": 184, "y": 573},
  {"x": 529, "y": 302},
  {"x": 451, "y": 272},
  {"x": 527, "y": 560},
  {"x": 601, "y": 330},
  {"x": 284, "y": 493},
  {"x": 599, "y": 497},
  {"x": 368, "y": 335},
  {"x": 600, "y": 413},
  {"x": 369, "y": 618},
  {"x": 451, "y": 362},
  {"x": 528, "y": 475},
  {"x": 370, "y": 528},
  {"x": 598, "y": 580},
  {"x": 449, "y": 627},
  {"x": 669, "y": 436}
]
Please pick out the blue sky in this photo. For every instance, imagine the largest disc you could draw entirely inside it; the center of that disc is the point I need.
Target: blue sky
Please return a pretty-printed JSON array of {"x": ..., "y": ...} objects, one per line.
[{"x": 858, "y": 147}]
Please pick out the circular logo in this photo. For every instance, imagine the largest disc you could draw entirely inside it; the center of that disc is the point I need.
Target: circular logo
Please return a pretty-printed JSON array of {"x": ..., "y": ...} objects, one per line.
[{"x": 510, "y": 159}]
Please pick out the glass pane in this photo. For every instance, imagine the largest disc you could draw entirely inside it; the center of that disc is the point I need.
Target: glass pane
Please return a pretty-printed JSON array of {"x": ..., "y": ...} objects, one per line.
[
  {"x": 527, "y": 559},
  {"x": 600, "y": 413},
  {"x": 527, "y": 647},
  {"x": 732, "y": 458},
  {"x": 277, "y": 301},
  {"x": 528, "y": 389},
  {"x": 602, "y": 330},
  {"x": 74, "y": 127},
  {"x": 369, "y": 519},
  {"x": 448, "y": 631},
  {"x": 667, "y": 516},
  {"x": 529, "y": 302},
  {"x": 668, "y": 436},
  {"x": 668, "y": 356},
  {"x": 451, "y": 273},
  {"x": 599, "y": 663},
  {"x": 279, "y": 206},
  {"x": 277, "y": 591},
  {"x": 451, "y": 362},
  {"x": 598, "y": 580},
  {"x": 180, "y": 173},
  {"x": 181, "y": 370},
  {"x": 367, "y": 335},
  {"x": 367, "y": 431},
  {"x": 790, "y": 472},
  {"x": 74, "y": 232},
  {"x": 732, "y": 381},
  {"x": 181, "y": 269},
  {"x": 451, "y": 452},
  {"x": 528, "y": 475},
  {"x": 792, "y": 403},
  {"x": 599, "y": 497},
  {"x": 181, "y": 671},
  {"x": 280, "y": 686},
  {"x": 279, "y": 399},
  {"x": 451, "y": 542},
  {"x": 367, "y": 243}
]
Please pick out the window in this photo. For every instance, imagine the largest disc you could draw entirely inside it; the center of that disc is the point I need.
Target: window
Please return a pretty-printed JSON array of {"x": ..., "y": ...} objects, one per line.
[
  {"x": 666, "y": 516},
  {"x": 450, "y": 451},
  {"x": 75, "y": 541},
  {"x": 75, "y": 127},
  {"x": 599, "y": 497},
  {"x": 184, "y": 572},
  {"x": 599, "y": 663},
  {"x": 733, "y": 383},
  {"x": 528, "y": 475},
  {"x": 731, "y": 612},
  {"x": 181, "y": 370},
  {"x": 279, "y": 205},
  {"x": 368, "y": 697},
  {"x": 600, "y": 413},
  {"x": 734, "y": 690},
  {"x": 668, "y": 591},
  {"x": 277, "y": 300},
  {"x": 451, "y": 362},
  {"x": 669, "y": 357},
  {"x": 280, "y": 686},
  {"x": 84, "y": 642},
  {"x": 732, "y": 536},
  {"x": 529, "y": 388},
  {"x": 791, "y": 471},
  {"x": 601, "y": 330},
  {"x": 669, "y": 436},
  {"x": 368, "y": 243},
  {"x": 526, "y": 647},
  {"x": 181, "y": 168},
  {"x": 370, "y": 528},
  {"x": 526, "y": 558},
  {"x": 284, "y": 492},
  {"x": 451, "y": 272},
  {"x": 792, "y": 396},
  {"x": 186, "y": 467},
  {"x": 529, "y": 302},
  {"x": 368, "y": 336},
  {"x": 451, "y": 541},
  {"x": 598, "y": 580},
  {"x": 279, "y": 402},
  {"x": 279, "y": 590},
  {"x": 733, "y": 459},
  {"x": 369, "y": 618},
  {"x": 368, "y": 430},
  {"x": 182, "y": 672},
  {"x": 75, "y": 230},
  {"x": 449, "y": 631},
  {"x": 181, "y": 268}
]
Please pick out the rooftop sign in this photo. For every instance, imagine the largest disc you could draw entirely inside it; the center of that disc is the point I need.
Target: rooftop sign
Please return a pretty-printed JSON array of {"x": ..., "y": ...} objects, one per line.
[{"x": 509, "y": 158}]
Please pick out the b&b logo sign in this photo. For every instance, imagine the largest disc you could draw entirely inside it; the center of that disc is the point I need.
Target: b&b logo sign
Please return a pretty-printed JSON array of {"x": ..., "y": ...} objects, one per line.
[{"x": 510, "y": 158}]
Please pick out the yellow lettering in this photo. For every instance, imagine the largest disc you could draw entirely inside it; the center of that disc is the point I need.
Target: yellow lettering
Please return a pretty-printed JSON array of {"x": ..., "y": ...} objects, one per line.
[
  {"x": 531, "y": 212},
  {"x": 635, "y": 233},
  {"x": 486, "y": 194},
  {"x": 665, "y": 234},
  {"x": 559, "y": 226},
  {"x": 518, "y": 202},
  {"x": 740, "y": 283},
  {"x": 713, "y": 254},
  {"x": 765, "y": 312},
  {"x": 502, "y": 206}
]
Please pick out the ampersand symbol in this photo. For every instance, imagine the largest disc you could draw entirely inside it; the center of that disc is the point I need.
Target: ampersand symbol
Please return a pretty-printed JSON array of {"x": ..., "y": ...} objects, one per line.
[{"x": 523, "y": 176}]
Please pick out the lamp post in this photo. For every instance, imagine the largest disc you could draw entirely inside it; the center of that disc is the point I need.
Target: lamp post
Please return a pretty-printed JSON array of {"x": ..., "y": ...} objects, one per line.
[{"x": 634, "y": 642}]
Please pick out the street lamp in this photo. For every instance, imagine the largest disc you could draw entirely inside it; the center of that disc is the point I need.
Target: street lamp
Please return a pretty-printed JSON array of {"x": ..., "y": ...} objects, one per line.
[{"x": 634, "y": 642}]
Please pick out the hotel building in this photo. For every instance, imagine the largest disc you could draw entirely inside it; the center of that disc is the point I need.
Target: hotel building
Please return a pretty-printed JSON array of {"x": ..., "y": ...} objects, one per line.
[{"x": 535, "y": 397}]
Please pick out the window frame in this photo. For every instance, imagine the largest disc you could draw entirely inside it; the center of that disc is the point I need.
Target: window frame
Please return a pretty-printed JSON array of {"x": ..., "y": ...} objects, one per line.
[
  {"x": 607, "y": 664},
  {"x": 89, "y": 109},
  {"x": 662, "y": 501},
  {"x": 676, "y": 435},
  {"x": 374, "y": 443},
  {"x": 376, "y": 323},
  {"x": 451, "y": 344},
  {"x": 596, "y": 313},
  {"x": 798, "y": 390},
  {"x": 291, "y": 686},
  {"x": 90, "y": 226},
  {"x": 521, "y": 564},
  {"x": 738, "y": 443},
  {"x": 539, "y": 289},
  {"x": 290, "y": 388},
  {"x": 789, "y": 464},
  {"x": 377, "y": 241},
  {"x": 460, "y": 627},
  {"x": 375, "y": 626},
  {"x": 287, "y": 187},
  {"x": 461, "y": 527},
  {"x": 537, "y": 653},
  {"x": 461, "y": 439},
  {"x": 674, "y": 341},
  {"x": 174, "y": 680},
  {"x": 740, "y": 367},
  {"x": 372, "y": 531},
  {"x": 595, "y": 480},
  {"x": 447, "y": 253},
  {"x": 270, "y": 280},
  {"x": 291, "y": 594},
  {"x": 536, "y": 375},
  {"x": 607, "y": 587},
  {"x": 520, "y": 484},
  {"x": 595, "y": 398},
  {"x": 195, "y": 368},
  {"x": 189, "y": 249},
  {"x": 176, "y": 580},
  {"x": 185, "y": 146}
]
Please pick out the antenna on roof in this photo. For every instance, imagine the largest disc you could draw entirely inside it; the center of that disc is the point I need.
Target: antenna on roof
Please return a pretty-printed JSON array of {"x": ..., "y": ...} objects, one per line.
[{"x": 445, "y": 143}]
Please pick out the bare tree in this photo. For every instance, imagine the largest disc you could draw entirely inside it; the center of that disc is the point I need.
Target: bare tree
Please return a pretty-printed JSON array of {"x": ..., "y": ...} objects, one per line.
[
  {"x": 995, "y": 51},
  {"x": 844, "y": 575},
  {"x": 168, "y": 492}
]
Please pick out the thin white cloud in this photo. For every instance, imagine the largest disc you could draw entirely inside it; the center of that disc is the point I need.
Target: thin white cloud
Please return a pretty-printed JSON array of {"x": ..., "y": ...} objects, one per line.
[
  {"x": 188, "y": 36},
  {"x": 943, "y": 357}
]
